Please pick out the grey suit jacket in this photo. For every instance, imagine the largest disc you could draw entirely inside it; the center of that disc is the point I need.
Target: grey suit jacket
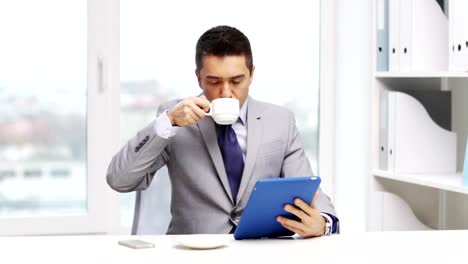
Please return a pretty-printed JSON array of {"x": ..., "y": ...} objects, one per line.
[{"x": 201, "y": 197}]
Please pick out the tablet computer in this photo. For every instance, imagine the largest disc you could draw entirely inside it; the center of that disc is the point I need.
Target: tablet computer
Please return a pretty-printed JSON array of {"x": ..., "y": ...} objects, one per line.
[{"x": 266, "y": 203}]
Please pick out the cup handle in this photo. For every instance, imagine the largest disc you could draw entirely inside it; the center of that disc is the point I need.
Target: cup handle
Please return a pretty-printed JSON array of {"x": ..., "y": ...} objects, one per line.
[{"x": 210, "y": 112}]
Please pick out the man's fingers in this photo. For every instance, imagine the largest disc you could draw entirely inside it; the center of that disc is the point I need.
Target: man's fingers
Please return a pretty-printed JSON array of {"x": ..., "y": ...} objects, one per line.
[
  {"x": 293, "y": 229},
  {"x": 189, "y": 111},
  {"x": 200, "y": 113},
  {"x": 304, "y": 206},
  {"x": 193, "y": 116},
  {"x": 188, "y": 120},
  {"x": 295, "y": 211},
  {"x": 292, "y": 225},
  {"x": 202, "y": 102}
]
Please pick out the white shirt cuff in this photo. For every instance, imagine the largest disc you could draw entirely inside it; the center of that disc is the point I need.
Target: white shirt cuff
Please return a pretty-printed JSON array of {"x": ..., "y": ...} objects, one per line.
[
  {"x": 163, "y": 126},
  {"x": 330, "y": 220}
]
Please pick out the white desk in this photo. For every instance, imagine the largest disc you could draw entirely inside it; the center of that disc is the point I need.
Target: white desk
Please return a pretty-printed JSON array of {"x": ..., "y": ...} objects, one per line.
[{"x": 387, "y": 247}]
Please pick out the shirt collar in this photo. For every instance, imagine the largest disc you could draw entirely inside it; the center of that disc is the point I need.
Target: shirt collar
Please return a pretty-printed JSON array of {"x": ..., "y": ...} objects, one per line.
[{"x": 243, "y": 112}]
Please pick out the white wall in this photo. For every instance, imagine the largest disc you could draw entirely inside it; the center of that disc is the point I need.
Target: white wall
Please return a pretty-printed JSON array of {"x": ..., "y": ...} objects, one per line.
[{"x": 353, "y": 83}]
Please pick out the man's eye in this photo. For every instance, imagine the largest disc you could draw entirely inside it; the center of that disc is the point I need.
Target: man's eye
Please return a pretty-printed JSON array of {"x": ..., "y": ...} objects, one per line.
[
  {"x": 213, "y": 82},
  {"x": 236, "y": 81}
]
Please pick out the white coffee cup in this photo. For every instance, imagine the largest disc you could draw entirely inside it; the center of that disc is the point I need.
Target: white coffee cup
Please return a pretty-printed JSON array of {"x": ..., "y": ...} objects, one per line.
[{"x": 225, "y": 111}]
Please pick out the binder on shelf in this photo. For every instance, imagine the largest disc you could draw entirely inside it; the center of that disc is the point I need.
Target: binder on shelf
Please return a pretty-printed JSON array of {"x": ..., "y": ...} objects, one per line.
[
  {"x": 391, "y": 144},
  {"x": 465, "y": 167},
  {"x": 416, "y": 144},
  {"x": 406, "y": 48},
  {"x": 394, "y": 35},
  {"x": 453, "y": 52},
  {"x": 382, "y": 35},
  {"x": 383, "y": 131},
  {"x": 458, "y": 35},
  {"x": 438, "y": 104},
  {"x": 465, "y": 37},
  {"x": 418, "y": 36},
  {"x": 429, "y": 36}
]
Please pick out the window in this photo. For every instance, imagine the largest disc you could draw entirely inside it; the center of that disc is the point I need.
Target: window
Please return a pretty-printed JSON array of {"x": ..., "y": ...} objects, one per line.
[
  {"x": 42, "y": 130},
  {"x": 45, "y": 123},
  {"x": 157, "y": 62}
]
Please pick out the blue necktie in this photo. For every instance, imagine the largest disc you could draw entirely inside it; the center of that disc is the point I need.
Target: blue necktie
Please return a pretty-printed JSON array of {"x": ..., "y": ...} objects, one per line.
[{"x": 232, "y": 157}]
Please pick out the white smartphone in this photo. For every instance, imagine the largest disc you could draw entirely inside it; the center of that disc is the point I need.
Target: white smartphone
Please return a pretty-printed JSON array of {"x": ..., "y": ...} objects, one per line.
[{"x": 137, "y": 244}]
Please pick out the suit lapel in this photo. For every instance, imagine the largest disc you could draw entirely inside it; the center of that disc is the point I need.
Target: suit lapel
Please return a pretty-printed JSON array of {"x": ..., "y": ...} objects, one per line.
[
  {"x": 254, "y": 134},
  {"x": 208, "y": 131}
]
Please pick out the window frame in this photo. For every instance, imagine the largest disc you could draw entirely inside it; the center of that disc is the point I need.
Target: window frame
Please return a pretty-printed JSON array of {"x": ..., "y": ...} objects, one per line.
[{"x": 327, "y": 103}]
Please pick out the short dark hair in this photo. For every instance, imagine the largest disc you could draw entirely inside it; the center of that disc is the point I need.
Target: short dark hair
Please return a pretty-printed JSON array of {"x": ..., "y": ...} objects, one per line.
[{"x": 223, "y": 41}]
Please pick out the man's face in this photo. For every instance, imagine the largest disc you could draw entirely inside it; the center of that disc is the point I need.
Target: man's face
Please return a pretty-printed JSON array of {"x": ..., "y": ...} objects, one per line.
[{"x": 225, "y": 77}]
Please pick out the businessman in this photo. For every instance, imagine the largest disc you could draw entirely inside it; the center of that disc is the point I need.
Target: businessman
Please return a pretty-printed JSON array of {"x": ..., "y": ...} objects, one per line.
[{"x": 213, "y": 168}]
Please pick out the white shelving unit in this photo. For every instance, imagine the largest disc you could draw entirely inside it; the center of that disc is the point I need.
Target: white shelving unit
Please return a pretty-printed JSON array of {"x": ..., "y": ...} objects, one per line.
[
  {"x": 418, "y": 201},
  {"x": 421, "y": 74},
  {"x": 445, "y": 182}
]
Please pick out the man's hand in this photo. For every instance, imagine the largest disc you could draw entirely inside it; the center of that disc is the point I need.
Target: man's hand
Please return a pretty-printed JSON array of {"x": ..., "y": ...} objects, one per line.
[
  {"x": 312, "y": 223},
  {"x": 189, "y": 111}
]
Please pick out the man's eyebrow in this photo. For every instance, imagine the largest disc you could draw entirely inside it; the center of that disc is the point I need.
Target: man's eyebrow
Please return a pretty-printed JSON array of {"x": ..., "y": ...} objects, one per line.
[{"x": 219, "y": 78}]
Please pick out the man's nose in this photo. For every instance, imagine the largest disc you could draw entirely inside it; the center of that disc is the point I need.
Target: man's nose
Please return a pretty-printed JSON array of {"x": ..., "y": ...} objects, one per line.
[{"x": 226, "y": 90}]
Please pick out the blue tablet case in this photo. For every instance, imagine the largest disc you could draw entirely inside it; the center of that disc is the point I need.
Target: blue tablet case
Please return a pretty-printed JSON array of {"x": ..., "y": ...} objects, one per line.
[{"x": 266, "y": 203}]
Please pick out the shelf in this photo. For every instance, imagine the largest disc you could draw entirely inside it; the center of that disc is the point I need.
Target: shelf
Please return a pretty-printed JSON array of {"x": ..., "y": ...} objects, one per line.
[
  {"x": 447, "y": 182},
  {"x": 421, "y": 74}
]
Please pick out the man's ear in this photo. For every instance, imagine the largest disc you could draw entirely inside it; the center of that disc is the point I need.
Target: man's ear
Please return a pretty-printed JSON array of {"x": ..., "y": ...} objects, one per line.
[
  {"x": 251, "y": 74},
  {"x": 252, "y": 71},
  {"x": 197, "y": 73}
]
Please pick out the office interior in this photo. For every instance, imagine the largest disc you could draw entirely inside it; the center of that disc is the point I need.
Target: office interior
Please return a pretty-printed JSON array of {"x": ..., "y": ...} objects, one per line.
[{"x": 378, "y": 88}]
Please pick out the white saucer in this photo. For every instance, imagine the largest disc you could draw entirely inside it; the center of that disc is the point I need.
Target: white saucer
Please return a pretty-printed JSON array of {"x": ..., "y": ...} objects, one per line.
[{"x": 205, "y": 241}]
